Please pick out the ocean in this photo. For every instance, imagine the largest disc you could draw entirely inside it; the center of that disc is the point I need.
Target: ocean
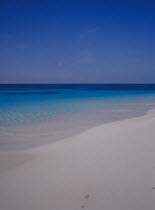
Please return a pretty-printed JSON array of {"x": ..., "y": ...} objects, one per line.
[{"x": 36, "y": 114}]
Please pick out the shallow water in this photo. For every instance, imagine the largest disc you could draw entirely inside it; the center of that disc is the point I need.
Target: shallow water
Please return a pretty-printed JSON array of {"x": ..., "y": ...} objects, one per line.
[{"x": 31, "y": 115}]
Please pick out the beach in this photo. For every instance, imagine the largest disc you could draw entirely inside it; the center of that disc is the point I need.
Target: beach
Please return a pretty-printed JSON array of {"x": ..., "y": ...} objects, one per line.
[
  {"x": 111, "y": 166},
  {"x": 77, "y": 105}
]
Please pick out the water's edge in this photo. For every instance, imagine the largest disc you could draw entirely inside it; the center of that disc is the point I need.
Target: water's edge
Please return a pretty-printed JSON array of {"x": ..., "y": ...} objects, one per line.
[
  {"x": 38, "y": 114},
  {"x": 43, "y": 131}
]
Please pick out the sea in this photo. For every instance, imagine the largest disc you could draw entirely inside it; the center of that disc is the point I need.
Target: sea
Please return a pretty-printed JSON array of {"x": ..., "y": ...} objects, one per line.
[{"x": 32, "y": 115}]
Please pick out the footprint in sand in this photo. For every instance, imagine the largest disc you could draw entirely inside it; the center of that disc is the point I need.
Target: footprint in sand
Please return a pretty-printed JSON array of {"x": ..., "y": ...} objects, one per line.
[{"x": 86, "y": 198}]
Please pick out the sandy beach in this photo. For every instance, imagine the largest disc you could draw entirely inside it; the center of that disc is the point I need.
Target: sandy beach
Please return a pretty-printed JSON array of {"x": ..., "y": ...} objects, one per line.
[
  {"x": 77, "y": 105},
  {"x": 109, "y": 167}
]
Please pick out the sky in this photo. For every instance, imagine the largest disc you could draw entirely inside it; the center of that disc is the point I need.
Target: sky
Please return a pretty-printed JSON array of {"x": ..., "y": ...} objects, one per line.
[{"x": 77, "y": 41}]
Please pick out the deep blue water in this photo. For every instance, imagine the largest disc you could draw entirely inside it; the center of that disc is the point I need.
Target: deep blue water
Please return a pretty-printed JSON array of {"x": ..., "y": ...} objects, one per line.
[{"x": 22, "y": 104}]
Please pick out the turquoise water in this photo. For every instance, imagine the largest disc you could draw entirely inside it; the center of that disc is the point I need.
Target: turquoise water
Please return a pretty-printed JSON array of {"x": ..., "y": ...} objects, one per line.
[
  {"x": 32, "y": 115},
  {"x": 22, "y": 104}
]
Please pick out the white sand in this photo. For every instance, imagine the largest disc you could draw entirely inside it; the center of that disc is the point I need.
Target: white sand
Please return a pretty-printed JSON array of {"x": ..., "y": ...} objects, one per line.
[{"x": 109, "y": 167}]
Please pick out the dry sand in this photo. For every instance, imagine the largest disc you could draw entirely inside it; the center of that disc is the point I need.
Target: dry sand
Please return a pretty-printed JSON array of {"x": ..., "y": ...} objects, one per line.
[{"x": 109, "y": 167}]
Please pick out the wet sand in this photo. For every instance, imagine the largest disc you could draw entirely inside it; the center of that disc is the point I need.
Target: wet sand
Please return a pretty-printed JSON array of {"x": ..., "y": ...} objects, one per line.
[{"x": 31, "y": 135}]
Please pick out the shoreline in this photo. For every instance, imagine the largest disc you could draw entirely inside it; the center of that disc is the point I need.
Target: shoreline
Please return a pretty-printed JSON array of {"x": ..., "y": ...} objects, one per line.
[
  {"x": 46, "y": 132},
  {"x": 111, "y": 166}
]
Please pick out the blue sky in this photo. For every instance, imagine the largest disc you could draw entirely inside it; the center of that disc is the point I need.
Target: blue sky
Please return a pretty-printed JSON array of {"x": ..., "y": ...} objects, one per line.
[{"x": 77, "y": 41}]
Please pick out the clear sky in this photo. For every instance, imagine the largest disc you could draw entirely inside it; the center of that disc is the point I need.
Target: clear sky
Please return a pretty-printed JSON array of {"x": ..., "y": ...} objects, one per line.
[{"x": 78, "y": 41}]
